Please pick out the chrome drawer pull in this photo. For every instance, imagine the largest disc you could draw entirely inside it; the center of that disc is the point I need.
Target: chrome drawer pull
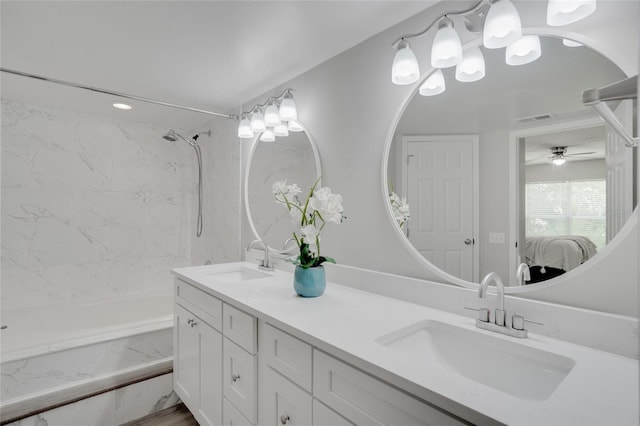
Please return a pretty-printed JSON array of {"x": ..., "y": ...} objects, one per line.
[
  {"x": 284, "y": 419},
  {"x": 235, "y": 377}
]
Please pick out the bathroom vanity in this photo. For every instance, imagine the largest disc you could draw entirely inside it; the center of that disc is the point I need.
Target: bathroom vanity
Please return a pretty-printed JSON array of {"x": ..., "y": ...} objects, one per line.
[{"x": 249, "y": 351}]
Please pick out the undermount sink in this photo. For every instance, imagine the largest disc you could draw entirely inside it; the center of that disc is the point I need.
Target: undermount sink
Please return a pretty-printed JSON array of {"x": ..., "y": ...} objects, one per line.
[
  {"x": 236, "y": 274},
  {"x": 501, "y": 364}
]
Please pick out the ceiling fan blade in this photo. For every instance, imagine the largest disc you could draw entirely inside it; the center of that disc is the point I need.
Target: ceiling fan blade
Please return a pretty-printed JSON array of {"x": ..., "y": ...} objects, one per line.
[{"x": 580, "y": 153}]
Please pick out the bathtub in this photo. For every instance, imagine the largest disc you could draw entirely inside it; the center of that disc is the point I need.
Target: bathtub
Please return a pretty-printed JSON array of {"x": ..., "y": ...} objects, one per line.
[{"x": 57, "y": 354}]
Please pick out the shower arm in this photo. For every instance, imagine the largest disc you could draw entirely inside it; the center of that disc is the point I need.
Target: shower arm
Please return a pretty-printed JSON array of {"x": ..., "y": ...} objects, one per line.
[{"x": 624, "y": 89}]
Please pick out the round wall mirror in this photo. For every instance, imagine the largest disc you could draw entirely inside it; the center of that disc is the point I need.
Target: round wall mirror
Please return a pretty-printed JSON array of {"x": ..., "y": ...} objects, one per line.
[
  {"x": 294, "y": 158},
  {"x": 512, "y": 168}
]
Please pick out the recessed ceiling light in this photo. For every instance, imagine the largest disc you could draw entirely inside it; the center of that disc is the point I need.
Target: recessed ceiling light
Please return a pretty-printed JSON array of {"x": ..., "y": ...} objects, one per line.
[{"x": 122, "y": 106}]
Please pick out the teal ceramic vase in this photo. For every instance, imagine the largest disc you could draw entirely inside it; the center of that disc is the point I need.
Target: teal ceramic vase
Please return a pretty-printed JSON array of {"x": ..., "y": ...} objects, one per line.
[{"x": 309, "y": 282}]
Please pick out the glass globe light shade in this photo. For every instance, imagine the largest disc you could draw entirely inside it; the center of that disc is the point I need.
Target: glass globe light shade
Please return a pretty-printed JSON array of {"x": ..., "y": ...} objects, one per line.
[
  {"x": 472, "y": 66},
  {"x": 257, "y": 121},
  {"x": 405, "y": 68},
  {"x": 433, "y": 85},
  {"x": 524, "y": 50},
  {"x": 271, "y": 115},
  {"x": 559, "y": 161},
  {"x": 267, "y": 135},
  {"x": 244, "y": 129},
  {"x": 281, "y": 130},
  {"x": 502, "y": 25},
  {"x": 288, "y": 110},
  {"x": 564, "y": 12},
  {"x": 446, "y": 50}
]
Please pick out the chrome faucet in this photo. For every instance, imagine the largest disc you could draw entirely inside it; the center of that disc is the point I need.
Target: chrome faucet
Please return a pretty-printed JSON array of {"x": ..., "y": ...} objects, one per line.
[
  {"x": 499, "y": 324},
  {"x": 522, "y": 274},
  {"x": 482, "y": 293},
  {"x": 266, "y": 262}
]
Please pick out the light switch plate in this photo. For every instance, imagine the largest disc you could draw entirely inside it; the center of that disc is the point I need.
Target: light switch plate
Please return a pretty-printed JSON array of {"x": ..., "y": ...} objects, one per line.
[{"x": 496, "y": 237}]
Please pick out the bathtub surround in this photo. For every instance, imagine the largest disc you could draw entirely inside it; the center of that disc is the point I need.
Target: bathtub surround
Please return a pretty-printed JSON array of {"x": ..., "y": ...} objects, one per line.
[
  {"x": 91, "y": 207},
  {"x": 115, "y": 407}
]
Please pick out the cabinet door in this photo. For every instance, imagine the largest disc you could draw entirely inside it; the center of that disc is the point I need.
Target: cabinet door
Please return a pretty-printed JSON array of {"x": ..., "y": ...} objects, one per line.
[
  {"x": 186, "y": 362},
  {"x": 210, "y": 374},
  {"x": 282, "y": 402},
  {"x": 240, "y": 378}
]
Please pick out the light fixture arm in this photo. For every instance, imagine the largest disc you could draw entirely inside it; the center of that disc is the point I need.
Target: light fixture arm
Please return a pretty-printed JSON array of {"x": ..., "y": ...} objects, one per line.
[
  {"x": 272, "y": 98},
  {"x": 624, "y": 89},
  {"x": 426, "y": 30}
]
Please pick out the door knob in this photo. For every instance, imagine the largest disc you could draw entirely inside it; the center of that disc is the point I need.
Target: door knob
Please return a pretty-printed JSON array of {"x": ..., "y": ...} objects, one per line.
[{"x": 468, "y": 241}]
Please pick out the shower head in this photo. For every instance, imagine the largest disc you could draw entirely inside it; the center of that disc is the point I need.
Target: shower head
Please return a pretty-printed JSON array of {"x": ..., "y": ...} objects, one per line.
[{"x": 171, "y": 136}]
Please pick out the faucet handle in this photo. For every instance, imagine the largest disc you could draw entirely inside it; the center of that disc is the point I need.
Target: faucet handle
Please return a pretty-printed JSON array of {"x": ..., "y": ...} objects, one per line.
[
  {"x": 483, "y": 313},
  {"x": 517, "y": 322}
]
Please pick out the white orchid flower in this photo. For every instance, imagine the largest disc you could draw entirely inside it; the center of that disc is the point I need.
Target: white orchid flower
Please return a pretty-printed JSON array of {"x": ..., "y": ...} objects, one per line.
[{"x": 279, "y": 187}]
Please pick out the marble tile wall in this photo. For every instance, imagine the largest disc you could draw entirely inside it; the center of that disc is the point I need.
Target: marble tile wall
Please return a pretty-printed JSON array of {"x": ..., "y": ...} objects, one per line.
[
  {"x": 91, "y": 206},
  {"x": 111, "y": 408}
]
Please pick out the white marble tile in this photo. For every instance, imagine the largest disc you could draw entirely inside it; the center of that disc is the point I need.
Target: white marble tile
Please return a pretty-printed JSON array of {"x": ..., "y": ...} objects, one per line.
[
  {"x": 95, "y": 411},
  {"x": 106, "y": 138},
  {"x": 144, "y": 398},
  {"x": 134, "y": 350},
  {"x": 43, "y": 128},
  {"x": 157, "y": 276},
  {"x": 149, "y": 176},
  {"x": 86, "y": 202},
  {"x": 70, "y": 171},
  {"x": 101, "y": 208},
  {"x": 25, "y": 376}
]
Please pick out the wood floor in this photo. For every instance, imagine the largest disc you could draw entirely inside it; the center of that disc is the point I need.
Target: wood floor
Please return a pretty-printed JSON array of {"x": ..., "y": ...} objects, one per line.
[{"x": 178, "y": 415}]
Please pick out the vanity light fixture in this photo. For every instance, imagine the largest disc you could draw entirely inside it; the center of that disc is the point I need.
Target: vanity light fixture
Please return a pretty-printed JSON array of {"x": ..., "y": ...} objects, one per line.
[
  {"x": 564, "y": 12},
  {"x": 405, "y": 68},
  {"x": 279, "y": 112},
  {"x": 281, "y": 130},
  {"x": 122, "y": 106},
  {"x": 271, "y": 115},
  {"x": 434, "y": 85},
  {"x": 257, "y": 120},
  {"x": 288, "y": 110},
  {"x": 524, "y": 50},
  {"x": 502, "y": 26},
  {"x": 446, "y": 50},
  {"x": 267, "y": 135},
  {"x": 472, "y": 66}
]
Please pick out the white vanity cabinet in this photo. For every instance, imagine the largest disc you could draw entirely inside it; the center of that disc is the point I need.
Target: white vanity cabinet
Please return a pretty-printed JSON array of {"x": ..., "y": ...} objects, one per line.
[
  {"x": 231, "y": 368},
  {"x": 198, "y": 356}
]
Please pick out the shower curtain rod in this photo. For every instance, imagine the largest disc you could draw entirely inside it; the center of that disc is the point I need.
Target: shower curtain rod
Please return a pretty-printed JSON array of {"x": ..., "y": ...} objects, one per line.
[
  {"x": 121, "y": 95},
  {"x": 624, "y": 89}
]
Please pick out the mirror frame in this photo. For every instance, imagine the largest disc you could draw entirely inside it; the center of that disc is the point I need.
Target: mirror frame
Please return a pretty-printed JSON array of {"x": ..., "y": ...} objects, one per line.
[
  {"x": 254, "y": 146},
  {"x": 619, "y": 60}
]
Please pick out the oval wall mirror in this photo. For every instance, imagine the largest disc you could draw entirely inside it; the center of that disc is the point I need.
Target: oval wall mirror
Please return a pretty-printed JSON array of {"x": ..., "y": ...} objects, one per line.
[
  {"x": 294, "y": 158},
  {"x": 511, "y": 168}
]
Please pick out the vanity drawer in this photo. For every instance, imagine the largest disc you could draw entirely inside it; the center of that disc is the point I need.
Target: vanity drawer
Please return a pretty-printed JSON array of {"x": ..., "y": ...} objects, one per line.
[
  {"x": 207, "y": 307},
  {"x": 240, "y": 327},
  {"x": 240, "y": 379},
  {"x": 282, "y": 402},
  {"x": 231, "y": 416},
  {"x": 363, "y": 399},
  {"x": 287, "y": 355},
  {"x": 323, "y": 416}
]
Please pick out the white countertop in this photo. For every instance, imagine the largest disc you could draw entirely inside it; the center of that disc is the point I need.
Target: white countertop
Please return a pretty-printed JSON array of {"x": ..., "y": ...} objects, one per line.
[{"x": 602, "y": 388}]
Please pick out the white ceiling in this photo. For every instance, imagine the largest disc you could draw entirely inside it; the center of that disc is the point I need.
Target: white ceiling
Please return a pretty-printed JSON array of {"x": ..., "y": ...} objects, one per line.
[{"x": 207, "y": 54}]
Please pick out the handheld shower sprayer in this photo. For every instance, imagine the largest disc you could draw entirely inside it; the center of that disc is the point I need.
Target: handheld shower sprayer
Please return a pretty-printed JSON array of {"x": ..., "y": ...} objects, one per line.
[{"x": 173, "y": 136}]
